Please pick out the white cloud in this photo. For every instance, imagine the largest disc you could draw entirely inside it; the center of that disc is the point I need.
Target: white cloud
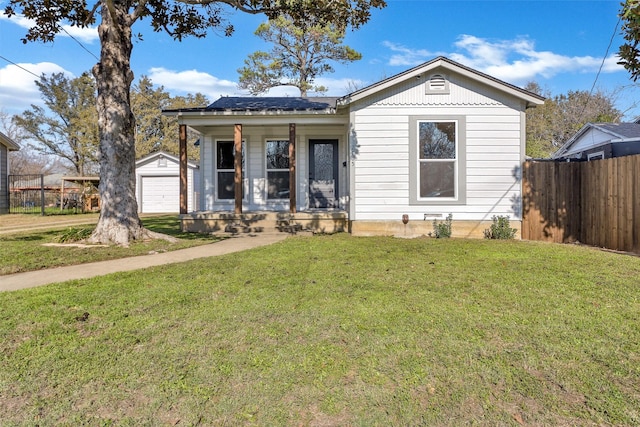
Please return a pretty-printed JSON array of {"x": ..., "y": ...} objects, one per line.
[
  {"x": 406, "y": 57},
  {"x": 516, "y": 61},
  {"x": 85, "y": 35},
  {"x": 192, "y": 81},
  {"x": 17, "y": 84}
]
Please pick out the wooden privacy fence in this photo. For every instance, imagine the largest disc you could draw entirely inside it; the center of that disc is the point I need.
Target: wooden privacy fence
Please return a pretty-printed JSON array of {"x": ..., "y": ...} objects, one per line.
[{"x": 594, "y": 202}]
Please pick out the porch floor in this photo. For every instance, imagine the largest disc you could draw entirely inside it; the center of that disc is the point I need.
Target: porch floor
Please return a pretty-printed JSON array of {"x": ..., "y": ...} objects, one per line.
[{"x": 225, "y": 222}]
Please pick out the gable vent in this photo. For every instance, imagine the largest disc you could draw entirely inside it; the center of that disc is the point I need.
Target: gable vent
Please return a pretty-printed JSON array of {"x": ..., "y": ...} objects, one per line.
[{"x": 438, "y": 83}]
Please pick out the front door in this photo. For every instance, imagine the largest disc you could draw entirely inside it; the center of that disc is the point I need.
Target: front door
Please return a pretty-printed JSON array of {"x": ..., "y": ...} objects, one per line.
[{"x": 323, "y": 173}]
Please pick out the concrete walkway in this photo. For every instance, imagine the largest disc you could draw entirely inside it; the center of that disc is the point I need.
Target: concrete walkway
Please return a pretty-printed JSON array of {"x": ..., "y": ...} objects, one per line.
[{"x": 32, "y": 279}]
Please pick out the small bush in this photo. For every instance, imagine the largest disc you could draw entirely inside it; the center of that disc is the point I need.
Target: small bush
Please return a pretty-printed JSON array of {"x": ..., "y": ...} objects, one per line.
[
  {"x": 75, "y": 235},
  {"x": 442, "y": 230},
  {"x": 500, "y": 229}
]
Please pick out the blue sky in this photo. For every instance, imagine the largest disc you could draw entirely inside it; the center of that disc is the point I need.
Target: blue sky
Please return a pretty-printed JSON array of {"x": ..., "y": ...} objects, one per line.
[{"x": 559, "y": 44}]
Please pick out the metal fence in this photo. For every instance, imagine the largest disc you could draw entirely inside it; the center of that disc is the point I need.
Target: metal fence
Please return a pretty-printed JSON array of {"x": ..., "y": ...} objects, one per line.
[{"x": 29, "y": 194}]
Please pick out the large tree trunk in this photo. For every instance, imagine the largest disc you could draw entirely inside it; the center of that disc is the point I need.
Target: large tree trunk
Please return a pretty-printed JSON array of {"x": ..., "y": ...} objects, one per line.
[{"x": 119, "y": 221}]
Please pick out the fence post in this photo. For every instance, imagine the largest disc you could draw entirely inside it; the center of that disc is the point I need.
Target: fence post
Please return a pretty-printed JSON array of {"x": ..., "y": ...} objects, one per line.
[{"x": 42, "y": 194}]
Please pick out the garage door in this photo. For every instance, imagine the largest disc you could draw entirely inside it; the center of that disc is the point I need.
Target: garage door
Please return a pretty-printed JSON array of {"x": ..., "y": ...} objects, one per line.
[{"x": 160, "y": 194}]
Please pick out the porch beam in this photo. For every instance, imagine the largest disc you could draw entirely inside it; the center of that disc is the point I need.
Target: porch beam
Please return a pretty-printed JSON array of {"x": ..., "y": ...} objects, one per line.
[
  {"x": 237, "y": 164},
  {"x": 183, "y": 169},
  {"x": 292, "y": 167}
]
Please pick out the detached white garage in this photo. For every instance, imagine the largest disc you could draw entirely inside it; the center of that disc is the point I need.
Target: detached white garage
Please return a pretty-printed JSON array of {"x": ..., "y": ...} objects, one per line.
[{"x": 158, "y": 184}]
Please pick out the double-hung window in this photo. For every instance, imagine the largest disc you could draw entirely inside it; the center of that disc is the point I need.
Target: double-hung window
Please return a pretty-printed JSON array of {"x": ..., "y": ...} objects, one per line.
[
  {"x": 277, "y": 157},
  {"x": 225, "y": 169},
  {"x": 437, "y": 160}
]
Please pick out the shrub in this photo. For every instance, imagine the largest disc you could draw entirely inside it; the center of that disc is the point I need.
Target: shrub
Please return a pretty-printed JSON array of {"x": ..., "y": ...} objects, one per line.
[
  {"x": 500, "y": 229},
  {"x": 75, "y": 235},
  {"x": 442, "y": 230}
]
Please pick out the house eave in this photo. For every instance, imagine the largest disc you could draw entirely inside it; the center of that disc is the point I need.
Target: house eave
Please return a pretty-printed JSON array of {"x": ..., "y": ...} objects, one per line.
[
  {"x": 255, "y": 118},
  {"x": 9, "y": 143}
]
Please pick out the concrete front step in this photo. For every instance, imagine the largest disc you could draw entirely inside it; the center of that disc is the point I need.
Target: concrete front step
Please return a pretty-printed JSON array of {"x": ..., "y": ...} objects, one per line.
[{"x": 265, "y": 222}]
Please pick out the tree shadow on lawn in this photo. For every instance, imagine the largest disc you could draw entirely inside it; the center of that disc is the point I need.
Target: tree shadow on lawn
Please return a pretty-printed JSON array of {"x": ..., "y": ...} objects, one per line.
[{"x": 170, "y": 226}]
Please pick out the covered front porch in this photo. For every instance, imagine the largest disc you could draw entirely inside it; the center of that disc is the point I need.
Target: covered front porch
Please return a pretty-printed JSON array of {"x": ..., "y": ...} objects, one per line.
[
  {"x": 269, "y": 165},
  {"x": 225, "y": 222}
]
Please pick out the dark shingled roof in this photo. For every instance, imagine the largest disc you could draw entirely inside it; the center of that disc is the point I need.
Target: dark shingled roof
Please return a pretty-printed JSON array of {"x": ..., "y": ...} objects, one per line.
[
  {"x": 234, "y": 103},
  {"x": 626, "y": 130}
]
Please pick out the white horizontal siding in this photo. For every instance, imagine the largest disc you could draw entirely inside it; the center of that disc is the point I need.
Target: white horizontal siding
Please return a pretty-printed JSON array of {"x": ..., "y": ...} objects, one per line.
[
  {"x": 383, "y": 163},
  {"x": 497, "y": 118},
  {"x": 372, "y": 177},
  {"x": 374, "y": 188},
  {"x": 492, "y": 145},
  {"x": 504, "y": 178},
  {"x": 493, "y": 152},
  {"x": 508, "y": 156},
  {"x": 493, "y": 127}
]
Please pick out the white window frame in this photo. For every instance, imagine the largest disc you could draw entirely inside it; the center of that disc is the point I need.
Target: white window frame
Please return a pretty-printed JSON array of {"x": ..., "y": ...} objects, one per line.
[
  {"x": 267, "y": 170},
  {"x": 216, "y": 170},
  {"x": 459, "y": 162}
]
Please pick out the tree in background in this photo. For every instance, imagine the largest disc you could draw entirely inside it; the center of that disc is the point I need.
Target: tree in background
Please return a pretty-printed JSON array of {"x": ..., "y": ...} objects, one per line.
[
  {"x": 300, "y": 54},
  {"x": 155, "y": 132},
  {"x": 550, "y": 125},
  {"x": 26, "y": 160},
  {"x": 629, "y": 52},
  {"x": 119, "y": 221},
  {"x": 68, "y": 127}
]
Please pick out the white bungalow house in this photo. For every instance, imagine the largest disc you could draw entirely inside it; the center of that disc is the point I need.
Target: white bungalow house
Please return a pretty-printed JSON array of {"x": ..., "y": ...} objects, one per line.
[
  {"x": 438, "y": 139},
  {"x": 158, "y": 184},
  {"x": 6, "y": 144},
  {"x": 596, "y": 141}
]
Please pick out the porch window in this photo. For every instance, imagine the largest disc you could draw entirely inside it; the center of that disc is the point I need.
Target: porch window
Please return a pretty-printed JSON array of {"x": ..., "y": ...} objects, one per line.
[
  {"x": 277, "y": 153},
  {"x": 437, "y": 160},
  {"x": 225, "y": 170}
]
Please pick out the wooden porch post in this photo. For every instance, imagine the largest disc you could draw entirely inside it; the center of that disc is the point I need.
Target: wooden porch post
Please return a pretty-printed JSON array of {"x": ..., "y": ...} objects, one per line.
[
  {"x": 292, "y": 167},
  {"x": 237, "y": 164},
  {"x": 183, "y": 169}
]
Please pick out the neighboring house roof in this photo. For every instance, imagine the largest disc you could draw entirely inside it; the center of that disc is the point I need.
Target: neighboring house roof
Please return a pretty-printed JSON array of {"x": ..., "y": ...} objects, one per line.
[
  {"x": 621, "y": 130},
  {"x": 329, "y": 105},
  {"x": 613, "y": 132},
  {"x": 531, "y": 98},
  {"x": 8, "y": 142},
  {"x": 160, "y": 154}
]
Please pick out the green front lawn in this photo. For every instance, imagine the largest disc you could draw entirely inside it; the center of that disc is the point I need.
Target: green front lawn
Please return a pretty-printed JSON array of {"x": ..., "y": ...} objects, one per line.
[
  {"x": 25, "y": 251},
  {"x": 335, "y": 331}
]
